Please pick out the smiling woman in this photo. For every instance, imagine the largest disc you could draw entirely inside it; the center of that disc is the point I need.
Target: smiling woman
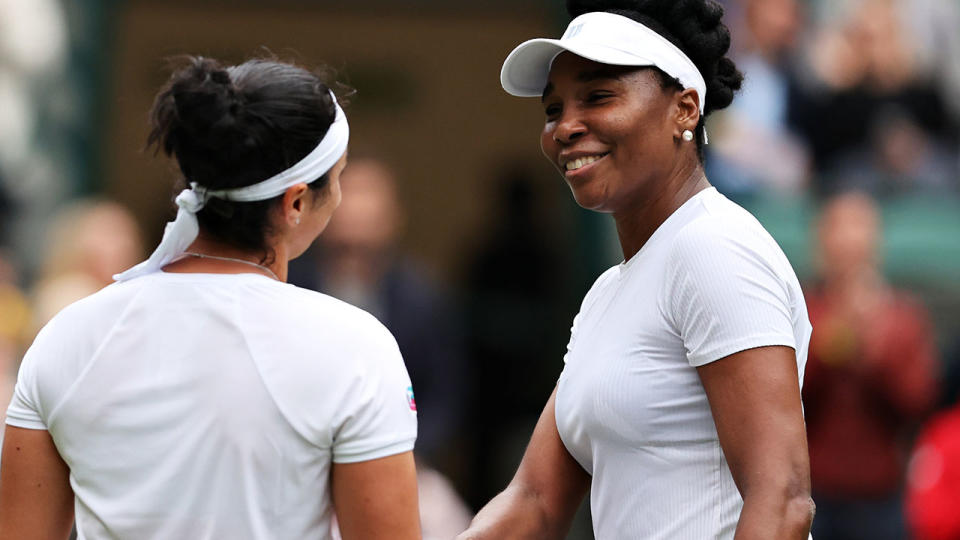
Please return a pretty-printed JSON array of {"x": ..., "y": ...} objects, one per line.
[{"x": 679, "y": 402}]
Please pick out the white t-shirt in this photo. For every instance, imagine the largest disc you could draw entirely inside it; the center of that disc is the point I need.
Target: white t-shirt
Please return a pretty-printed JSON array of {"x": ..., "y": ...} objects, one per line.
[
  {"x": 210, "y": 406},
  {"x": 630, "y": 406}
]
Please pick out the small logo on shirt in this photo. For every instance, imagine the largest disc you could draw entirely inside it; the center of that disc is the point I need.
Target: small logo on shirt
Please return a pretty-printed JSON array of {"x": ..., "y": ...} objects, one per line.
[{"x": 410, "y": 400}]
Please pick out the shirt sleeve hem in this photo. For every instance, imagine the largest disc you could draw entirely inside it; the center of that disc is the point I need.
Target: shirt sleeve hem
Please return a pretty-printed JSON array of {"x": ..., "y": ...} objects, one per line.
[
  {"x": 697, "y": 360},
  {"x": 397, "y": 447},
  {"x": 26, "y": 424}
]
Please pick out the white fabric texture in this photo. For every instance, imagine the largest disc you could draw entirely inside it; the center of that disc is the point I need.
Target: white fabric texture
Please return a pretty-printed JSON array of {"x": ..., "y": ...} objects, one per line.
[
  {"x": 602, "y": 37},
  {"x": 183, "y": 230},
  {"x": 210, "y": 406},
  {"x": 630, "y": 407}
]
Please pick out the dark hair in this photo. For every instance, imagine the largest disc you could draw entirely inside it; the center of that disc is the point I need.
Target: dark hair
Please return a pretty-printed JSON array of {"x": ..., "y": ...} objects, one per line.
[
  {"x": 235, "y": 126},
  {"x": 694, "y": 26}
]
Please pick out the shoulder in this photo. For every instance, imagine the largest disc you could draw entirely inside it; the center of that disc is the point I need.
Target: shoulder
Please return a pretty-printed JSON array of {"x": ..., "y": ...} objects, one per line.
[
  {"x": 93, "y": 313},
  {"x": 724, "y": 240},
  {"x": 342, "y": 327},
  {"x": 722, "y": 223},
  {"x": 325, "y": 309}
]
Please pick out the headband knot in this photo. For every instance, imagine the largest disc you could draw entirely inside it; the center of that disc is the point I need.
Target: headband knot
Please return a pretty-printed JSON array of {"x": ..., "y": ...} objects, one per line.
[{"x": 192, "y": 200}]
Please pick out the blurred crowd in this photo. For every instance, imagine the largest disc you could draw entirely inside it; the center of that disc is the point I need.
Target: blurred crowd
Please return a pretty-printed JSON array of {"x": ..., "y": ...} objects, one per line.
[{"x": 850, "y": 110}]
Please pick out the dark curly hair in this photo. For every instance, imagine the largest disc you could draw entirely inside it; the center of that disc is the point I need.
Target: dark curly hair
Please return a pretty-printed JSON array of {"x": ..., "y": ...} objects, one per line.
[
  {"x": 695, "y": 27},
  {"x": 233, "y": 126}
]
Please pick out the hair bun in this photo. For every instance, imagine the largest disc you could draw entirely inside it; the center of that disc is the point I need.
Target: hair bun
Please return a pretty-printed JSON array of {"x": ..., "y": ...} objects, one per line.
[{"x": 206, "y": 101}]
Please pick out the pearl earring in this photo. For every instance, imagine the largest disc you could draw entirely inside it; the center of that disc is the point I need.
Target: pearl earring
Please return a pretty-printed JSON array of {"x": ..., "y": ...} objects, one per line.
[
  {"x": 298, "y": 220},
  {"x": 687, "y": 135}
]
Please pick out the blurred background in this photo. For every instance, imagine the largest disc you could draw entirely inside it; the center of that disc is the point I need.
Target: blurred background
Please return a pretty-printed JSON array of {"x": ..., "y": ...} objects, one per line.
[{"x": 462, "y": 239}]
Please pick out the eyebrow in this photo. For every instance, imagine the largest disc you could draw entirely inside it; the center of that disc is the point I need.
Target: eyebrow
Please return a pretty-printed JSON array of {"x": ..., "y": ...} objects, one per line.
[
  {"x": 606, "y": 72},
  {"x": 546, "y": 91}
]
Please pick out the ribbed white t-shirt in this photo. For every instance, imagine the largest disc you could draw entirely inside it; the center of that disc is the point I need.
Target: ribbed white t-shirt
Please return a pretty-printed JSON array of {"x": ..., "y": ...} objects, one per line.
[
  {"x": 210, "y": 406},
  {"x": 630, "y": 406}
]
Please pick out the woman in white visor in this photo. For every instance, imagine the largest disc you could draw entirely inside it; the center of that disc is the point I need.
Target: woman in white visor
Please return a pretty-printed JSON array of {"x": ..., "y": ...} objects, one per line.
[
  {"x": 200, "y": 396},
  {"x": 678, "y": 407}
]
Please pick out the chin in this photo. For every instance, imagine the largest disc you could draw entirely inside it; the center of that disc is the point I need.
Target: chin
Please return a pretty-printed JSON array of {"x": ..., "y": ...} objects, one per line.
[{"x": 589, "y": 200}]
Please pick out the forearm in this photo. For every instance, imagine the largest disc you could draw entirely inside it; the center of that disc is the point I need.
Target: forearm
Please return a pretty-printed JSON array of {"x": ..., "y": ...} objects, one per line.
[
  {"x": 514, "y": 513},
  {"x": 766, "y": 515},
  {"x": 544, "y": 495}
]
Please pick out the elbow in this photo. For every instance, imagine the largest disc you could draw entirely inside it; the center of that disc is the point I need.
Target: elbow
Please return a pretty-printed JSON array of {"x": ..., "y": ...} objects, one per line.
[
  {"x": 799, "y": 513},
  {"x": 799, "y": 508},
  {"x": 786, "y": 508}
]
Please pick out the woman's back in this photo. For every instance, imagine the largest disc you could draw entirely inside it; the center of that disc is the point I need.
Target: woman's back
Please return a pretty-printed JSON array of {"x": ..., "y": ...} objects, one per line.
[{"x": 226, "y": 396}]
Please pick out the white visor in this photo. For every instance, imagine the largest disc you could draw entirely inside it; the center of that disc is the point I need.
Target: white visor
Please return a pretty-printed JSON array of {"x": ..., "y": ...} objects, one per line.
[{"x": 602, "y": 37}]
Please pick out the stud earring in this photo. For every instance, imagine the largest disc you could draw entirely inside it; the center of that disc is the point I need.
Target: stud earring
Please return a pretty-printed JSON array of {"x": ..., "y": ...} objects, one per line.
[
  {"x": 687, "y": 135},
  {"x": 298, "y": 220}
]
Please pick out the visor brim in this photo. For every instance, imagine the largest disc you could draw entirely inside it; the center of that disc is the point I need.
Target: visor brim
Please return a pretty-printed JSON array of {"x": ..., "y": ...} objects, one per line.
[{"x": 527, "y": 68}]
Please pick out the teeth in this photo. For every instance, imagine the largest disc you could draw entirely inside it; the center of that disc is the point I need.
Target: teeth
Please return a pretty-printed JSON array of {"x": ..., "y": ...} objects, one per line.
[{"x": 580, "y": 162}]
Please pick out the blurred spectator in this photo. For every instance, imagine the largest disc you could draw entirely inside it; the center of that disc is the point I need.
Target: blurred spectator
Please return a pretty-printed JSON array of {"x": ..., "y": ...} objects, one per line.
[
  {"x": 933, "y": 490},
  {"x": 15, "y": 327},
  {"x": 6, "y": 211},
  {"x": 870, "y": 378},
  {"x": 864, "y": 68},
  {"x": 357, "y": 261},
  {"x": 32, "y": 42},
  {"x": 753, "y": 148},
  {"x": 36, "y": 107},
  {"x": 518, "y": 315},
  {"x": 934, "y": 28},
  {"x": 898, "y": 158},
  {"x": 88, "y": 242}
]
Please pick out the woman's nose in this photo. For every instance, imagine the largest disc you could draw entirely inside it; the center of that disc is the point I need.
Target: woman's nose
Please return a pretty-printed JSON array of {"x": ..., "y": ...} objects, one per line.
[{"x": 569, "y": 128}]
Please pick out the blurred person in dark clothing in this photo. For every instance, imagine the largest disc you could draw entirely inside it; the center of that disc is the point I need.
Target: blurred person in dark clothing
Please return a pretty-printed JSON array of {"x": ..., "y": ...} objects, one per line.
[
  {"x": 870, "y": 378},
  {"x": 860, "y": 68},
  {"x": 898, "y": 158},
  {"x": 518, "y": 317},
  {"x": 357, "y": 260}
]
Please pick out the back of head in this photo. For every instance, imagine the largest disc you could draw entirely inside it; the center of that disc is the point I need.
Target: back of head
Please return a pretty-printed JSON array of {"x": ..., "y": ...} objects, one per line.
[
  {"x": 234, "y": 126},
  {"x": 694, "y": 26}
]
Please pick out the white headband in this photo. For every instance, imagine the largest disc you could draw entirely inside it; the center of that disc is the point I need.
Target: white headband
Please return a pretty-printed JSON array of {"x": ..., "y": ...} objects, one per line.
[
  {"x": 182, "y": 231},
  {"x": 602, "y": 37}
]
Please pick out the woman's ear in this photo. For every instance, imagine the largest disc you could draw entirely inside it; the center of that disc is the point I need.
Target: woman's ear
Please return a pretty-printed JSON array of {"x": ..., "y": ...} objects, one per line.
[
  {"x": 294, "y": 204},
  {"x": 687, "y": 112}
]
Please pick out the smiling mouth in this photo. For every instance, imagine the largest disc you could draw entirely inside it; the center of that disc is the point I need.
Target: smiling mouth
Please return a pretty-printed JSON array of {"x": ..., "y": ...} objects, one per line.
[{"x": 575, "y": 164}]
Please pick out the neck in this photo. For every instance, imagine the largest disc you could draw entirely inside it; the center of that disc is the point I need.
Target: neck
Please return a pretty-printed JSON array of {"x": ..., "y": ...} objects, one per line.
[
  {"x": 205, "y": 246},
  {"x": 637, "y": 223}
]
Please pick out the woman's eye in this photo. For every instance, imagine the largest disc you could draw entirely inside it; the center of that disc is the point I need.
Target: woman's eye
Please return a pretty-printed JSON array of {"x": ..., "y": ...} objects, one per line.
[
  {"x": 593, "y": 97},
  {"x": 552, "y": 110}
]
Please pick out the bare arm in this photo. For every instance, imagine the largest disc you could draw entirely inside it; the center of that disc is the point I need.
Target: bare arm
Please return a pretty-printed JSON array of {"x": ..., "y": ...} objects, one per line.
[
  {"x": 377, "y": 499},
  {"x": 36, "y": 500},
  {"x": 543, "y": 496},
  {"x": 755, "y": 399}
]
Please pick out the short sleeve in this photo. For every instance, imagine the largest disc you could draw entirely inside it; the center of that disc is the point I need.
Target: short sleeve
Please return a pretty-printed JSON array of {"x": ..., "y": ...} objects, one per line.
[
  {"x": 726, "y": 291},
  {"x": 379, "y": 417}
]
